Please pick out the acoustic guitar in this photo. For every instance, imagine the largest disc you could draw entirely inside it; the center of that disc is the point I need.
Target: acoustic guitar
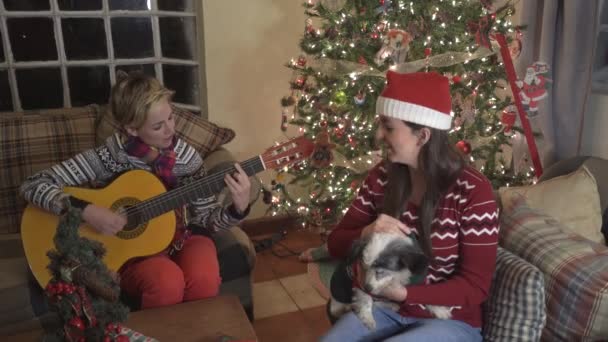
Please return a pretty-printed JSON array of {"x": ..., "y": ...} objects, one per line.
[{"x": 148, "y": 207}]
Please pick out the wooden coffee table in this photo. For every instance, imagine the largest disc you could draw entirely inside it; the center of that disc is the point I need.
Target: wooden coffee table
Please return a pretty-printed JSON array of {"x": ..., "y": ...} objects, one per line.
[{"x": 203, "y": 320}]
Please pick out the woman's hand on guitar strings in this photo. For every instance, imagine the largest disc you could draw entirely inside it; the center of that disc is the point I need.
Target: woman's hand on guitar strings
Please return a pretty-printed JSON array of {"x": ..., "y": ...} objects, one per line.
[
  {"x": 103, "y": 220},
  {"x": 239, "y": 185}
]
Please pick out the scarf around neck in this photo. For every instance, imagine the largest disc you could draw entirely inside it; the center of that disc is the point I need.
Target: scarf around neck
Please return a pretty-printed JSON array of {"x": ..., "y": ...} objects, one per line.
[{"x": 161, "y": 161}]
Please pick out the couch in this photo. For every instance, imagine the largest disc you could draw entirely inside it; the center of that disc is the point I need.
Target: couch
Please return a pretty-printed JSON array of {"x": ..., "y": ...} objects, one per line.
[
  {"x": 554, "y": 226},
  {"x": 32, "y": 141}
]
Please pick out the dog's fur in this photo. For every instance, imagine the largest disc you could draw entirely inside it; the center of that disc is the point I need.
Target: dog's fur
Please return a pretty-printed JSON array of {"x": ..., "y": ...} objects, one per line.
[{"x": 385, "y": 259}]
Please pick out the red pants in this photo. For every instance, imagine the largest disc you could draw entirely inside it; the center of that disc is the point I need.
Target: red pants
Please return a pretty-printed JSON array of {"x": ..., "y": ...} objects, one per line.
[{"x": 190, "y": 274}]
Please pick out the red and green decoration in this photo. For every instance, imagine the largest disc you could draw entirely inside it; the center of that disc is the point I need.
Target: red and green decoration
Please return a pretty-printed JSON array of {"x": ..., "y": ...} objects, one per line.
[
  {"x": 347, "y": 47},
  {"x": 83, "y": 292}
]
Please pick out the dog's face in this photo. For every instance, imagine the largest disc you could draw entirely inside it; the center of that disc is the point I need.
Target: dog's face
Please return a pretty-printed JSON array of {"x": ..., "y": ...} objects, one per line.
[{"x": 387, "y": 258}]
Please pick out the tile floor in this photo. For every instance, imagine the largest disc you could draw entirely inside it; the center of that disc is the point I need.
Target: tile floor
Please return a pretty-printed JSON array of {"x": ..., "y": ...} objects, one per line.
[{"x": 287, "y": 307}]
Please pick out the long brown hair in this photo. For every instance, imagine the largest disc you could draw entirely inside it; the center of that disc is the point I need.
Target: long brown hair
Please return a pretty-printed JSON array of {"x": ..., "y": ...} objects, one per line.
[{"x": 441, "y": 164}]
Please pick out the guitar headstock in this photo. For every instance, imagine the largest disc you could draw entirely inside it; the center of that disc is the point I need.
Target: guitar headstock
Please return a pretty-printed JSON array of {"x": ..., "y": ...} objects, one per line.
[{"x": 287, "y": 153}]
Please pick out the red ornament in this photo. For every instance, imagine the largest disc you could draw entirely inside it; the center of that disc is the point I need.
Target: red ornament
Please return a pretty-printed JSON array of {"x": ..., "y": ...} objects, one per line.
[
  {"x": 302, "y": 61},
  {"x": 122, "y": 338},
  {"x": 508, "y": 119},
  {"x": 77, "y": 323},
  {"x": 362, "y": 60},
  {"x": 381, "y": 2},
  {"x": 374, "y": 35},
  {"x": 427, "y": 51},
  {"x": 456, "y": 79},
  {"x": 464, "y": 146},
  {"x": 493, "y": 16},
  {"x": 107, "y": 339}
]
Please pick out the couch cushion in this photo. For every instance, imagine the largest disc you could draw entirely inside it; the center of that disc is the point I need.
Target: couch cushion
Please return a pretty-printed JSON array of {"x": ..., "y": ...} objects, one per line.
[
  {"x": 30, "y": 142},
  {"x": 515, "y": 309},
  {"x": 572, "y": 199},
  {"x": 575, "y": 271},
  {"x": 203, "y": 135}
]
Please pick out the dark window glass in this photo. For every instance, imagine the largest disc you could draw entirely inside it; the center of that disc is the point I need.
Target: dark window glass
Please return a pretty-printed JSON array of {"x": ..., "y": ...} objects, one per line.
[
  {"x": 89, "y": 84},
  {"x": 79, "y": 5},
  {"x": 40, "y": 88},
  {"x": 132, "y": 37},
  {"x": 129, "y": 4},
  {"x": 32, "y": 39},
  {"x": 147, "y": 69},
  {"x": 6, "y": 100},
  {"x": 176, "y": 5},
  {"x": 27, "y": 5},
  {"x": 174, "y": 37},
  {"x": 84, "y": 38},
  {"x": 183, "y": 79}
]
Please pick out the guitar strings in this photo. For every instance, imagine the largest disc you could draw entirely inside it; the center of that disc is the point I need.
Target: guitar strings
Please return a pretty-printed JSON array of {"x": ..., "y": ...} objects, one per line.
[{"x": 150, "y": 202}]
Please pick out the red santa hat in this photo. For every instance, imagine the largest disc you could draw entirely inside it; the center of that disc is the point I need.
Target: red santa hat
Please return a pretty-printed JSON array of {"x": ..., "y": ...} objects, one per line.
[{"x": 421, "y": 98}]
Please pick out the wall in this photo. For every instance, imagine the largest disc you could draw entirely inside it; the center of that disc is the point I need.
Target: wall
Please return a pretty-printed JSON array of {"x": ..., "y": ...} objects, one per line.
[{"x": 247, "y": 44}]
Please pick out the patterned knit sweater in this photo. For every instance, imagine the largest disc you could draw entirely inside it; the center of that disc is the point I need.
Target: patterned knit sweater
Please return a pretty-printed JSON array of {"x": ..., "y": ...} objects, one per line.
[
  {"x": 464, "y": 237},
  {"x": 98, "y": 167}
]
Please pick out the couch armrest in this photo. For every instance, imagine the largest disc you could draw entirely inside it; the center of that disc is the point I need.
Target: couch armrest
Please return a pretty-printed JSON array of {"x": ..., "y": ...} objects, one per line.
[{"x": 222, "y": 159}]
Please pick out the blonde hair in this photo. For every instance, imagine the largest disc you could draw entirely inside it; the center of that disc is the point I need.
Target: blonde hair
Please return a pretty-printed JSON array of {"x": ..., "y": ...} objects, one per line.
[{"x": 132, "y": 96}]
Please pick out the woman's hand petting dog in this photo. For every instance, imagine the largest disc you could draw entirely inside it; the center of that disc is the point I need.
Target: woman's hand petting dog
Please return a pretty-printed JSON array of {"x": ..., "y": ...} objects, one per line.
[
  {"x": 394, "y": 292},
  {"x": 386, "y": 224}
]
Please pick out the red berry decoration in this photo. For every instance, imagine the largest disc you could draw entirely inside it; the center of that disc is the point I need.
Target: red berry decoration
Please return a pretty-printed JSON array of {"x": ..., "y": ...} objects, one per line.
[
  {"x": 427, "y": 51},
  {"x": 456, "y": 79},
  {"x": 77, "y": 323},
  {"x": 464, "y": 146},
  {"x": 107, "y": 339},
  {"x": 122, "y": 338}
]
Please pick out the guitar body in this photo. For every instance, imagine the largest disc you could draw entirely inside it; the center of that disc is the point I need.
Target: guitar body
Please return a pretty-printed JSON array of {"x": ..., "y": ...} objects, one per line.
[{"x": 38, "y": 227}]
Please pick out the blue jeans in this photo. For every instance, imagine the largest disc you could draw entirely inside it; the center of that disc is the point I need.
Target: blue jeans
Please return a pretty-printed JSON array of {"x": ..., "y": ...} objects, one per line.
[{"x": 391, "y": 326}]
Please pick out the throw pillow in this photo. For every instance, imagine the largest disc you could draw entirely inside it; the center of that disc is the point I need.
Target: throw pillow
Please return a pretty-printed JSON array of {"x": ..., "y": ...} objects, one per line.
[
  {"x": 572, "y": 199},
  {"x": 203, "y": 135},
  {"x": 575, "y": 271},
  {"x": 515, "y": 309},
  {"x": 35, "y": 141}
]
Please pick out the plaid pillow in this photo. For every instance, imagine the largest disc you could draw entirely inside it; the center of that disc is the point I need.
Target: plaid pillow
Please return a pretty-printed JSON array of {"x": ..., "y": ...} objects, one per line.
[
  {"x": 30, "y": 142},
  {"x": 575, "y": 271},
  {"x": 515, "y": 309},
  {"x": 203, "y": 135}
]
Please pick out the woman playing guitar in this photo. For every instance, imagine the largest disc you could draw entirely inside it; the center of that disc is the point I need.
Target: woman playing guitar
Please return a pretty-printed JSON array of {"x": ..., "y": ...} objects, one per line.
[{"x": 188, "y": 269}]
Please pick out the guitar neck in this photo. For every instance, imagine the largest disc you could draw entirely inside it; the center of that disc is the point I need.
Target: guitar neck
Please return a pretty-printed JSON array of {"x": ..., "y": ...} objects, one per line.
[{"x": 200, "y": 188}]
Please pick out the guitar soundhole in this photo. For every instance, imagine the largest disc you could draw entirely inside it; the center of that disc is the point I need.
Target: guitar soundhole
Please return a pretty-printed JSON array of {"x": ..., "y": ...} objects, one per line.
[{"x": 134, "y": 227}]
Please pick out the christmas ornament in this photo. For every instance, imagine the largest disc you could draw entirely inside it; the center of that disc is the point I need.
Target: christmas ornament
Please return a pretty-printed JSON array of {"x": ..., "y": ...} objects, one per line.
[
  {"x": 284, "y": 113},
  {"x": 359, "y": 98},
  {"x": 301, "y": 61},
  {"x": 362, "y": 60},
  {"x": 464, "y": 147},
  {"x": 515, "y": 45},
  {"x": 481, "y": 30},
  {"x": 385, "y": 6},
  {"x": 309, "y": 29},
  {"x": 427, "y": 51},
  {"x": 508, "y": 118},
  {"x": 456, "y": 79},
  {"x": 339, "y": 97},
  {"x": 466, "y": 106},
  {"x": 396, "y": 46},
  {"x": 534, "y": 86},
  {"x": 322, "y": 155}
]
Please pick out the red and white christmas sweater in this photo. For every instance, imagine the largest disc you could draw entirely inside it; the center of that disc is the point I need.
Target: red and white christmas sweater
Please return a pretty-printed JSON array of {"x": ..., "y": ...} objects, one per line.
[{"x": 464, "y": 238}]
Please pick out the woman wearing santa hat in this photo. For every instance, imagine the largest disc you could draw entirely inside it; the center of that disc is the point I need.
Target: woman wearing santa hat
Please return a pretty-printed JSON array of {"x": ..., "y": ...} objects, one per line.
[{"x": 425, "y": 189}]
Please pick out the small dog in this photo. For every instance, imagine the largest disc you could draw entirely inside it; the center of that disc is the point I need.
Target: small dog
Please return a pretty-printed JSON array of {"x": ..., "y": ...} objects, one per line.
[{"x": 385, "y": 259}]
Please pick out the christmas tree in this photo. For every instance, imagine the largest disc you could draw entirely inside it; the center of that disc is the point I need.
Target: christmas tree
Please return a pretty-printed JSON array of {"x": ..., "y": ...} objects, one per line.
[{"x": 347, "y": 47}]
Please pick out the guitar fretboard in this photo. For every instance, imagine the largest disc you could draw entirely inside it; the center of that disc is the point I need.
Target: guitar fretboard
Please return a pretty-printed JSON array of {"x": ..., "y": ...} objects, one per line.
[{"x": 200, "y": 188}]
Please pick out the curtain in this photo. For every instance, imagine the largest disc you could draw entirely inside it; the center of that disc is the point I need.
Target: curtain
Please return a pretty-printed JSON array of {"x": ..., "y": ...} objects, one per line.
[{"x": 563, "y": 34}]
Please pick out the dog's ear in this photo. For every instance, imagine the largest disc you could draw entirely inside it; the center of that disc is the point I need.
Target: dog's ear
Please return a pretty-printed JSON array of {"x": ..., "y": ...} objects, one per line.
[
  {"x": 356, "y": 250},
  {"x": 417, "y": 263}
]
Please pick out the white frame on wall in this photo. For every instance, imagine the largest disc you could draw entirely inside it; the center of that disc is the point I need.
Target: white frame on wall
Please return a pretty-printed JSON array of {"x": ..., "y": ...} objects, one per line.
[{"x": 56, "y": 15}]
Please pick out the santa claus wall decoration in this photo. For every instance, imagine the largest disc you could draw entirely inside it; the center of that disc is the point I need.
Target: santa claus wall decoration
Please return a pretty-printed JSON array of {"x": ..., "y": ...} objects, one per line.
[{"x": 534, "y": 86}]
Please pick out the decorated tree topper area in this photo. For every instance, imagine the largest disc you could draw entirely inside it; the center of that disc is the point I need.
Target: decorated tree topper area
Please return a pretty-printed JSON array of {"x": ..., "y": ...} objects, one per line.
[{"x": 347, "y": 47}]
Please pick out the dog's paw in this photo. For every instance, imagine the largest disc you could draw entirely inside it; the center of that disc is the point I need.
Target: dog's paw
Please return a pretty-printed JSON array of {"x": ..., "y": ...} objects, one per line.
[
  {"x": 362, "y": 307},
  {"x": 368, "y": 321},
  {"x": 441, "y": 312},
  {"x": 360, "y": 298}
]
